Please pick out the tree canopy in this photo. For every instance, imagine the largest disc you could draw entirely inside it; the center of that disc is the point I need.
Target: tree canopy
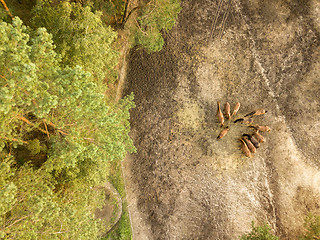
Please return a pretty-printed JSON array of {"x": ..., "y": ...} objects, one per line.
[
  {"x": 157, "y": 16},
  {"x": 80, "y": 36},
  {"x": 57, "y": 134}
]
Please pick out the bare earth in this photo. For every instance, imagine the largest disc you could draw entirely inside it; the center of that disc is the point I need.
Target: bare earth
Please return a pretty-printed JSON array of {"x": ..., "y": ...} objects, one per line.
[{"x": 183, "y": 183}]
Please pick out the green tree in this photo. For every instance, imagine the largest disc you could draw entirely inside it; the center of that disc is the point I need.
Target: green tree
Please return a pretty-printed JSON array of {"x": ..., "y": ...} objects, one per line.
[
  {"x": 68, "y": 22},
  {"x": 259, "y": 233},
  {"x": 36, "y": 211},
  {"x": 157, "y": 15},
  {"x": 57, "y": 134},
  {"x": 80, "y": 36},
  {"x": 33, "y": 84},
  {"x": 312, "y": 226},
  {"x": 112, "y": 11}
]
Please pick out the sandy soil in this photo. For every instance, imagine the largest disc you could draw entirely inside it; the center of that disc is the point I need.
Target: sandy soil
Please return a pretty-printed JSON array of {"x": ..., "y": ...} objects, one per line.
[{"x": 183, "y": 183}]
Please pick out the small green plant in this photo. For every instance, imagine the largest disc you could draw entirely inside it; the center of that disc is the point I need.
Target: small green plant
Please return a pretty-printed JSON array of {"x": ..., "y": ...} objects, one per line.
[
  {"x": 259, "y": 233},
  {"x": 312, "y": 225},
  {"x": 34, "y": 146}
]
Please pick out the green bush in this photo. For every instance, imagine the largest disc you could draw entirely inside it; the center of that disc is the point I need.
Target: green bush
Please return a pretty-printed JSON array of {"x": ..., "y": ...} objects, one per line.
[
  {"x": 312, "y": 225},
  {"x": 34, "y": 146},
  {"x": 259, "y": 233}
]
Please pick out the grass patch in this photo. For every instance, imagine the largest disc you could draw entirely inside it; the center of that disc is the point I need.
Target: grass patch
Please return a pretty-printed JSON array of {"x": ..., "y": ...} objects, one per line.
[{"x": 122, "y": 230}]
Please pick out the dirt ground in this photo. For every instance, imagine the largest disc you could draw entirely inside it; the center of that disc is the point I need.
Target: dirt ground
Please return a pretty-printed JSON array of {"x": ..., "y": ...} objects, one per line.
[{"x": 184, "y": 184}]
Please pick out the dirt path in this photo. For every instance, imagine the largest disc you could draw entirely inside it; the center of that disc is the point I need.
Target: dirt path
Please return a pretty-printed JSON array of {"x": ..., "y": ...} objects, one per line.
[{"x": 183, "y": 183}]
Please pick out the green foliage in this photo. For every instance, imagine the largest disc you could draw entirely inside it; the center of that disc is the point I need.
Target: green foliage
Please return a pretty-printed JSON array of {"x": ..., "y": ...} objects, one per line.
[
  {"x": 312, "y": 225},
  {"x": 157, "y": 15},
  {"x": 112, "y": 11},
  {"x": 80, "y": 36},
  {"x": 34, "y": 146},
  {"x": 259, "y": 233},
  {"x": 122, "y": 230},
  {"x": 7, "y": 189},
  {"x": 37, "y": 212},
  {"x": 33, "y": 83},
  {"x": 55, "y": 198},
  {"x": 3, "y": 14}
]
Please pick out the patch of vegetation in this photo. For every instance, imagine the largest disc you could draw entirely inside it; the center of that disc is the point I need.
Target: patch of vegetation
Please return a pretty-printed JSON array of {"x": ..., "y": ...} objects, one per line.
[
  {"x": 259, "y": 233},
  {"x": 112, "y": 11},
  {"x": 312, "y": 226},
  {"x": 122, "y": 231},
  {"x": 80, "y": 36},
  {"x": 156, "y": 16}
]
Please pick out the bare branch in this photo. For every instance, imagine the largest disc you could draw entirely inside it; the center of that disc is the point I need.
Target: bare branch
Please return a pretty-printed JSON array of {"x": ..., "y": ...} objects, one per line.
[
  {"x": 140, "y": 28},
  {"x": 19, "y": 220},
  {"x": 6, "y": 8},
  {"x": 28, "y": 122},
  {"x": 45, "y": 125},
  {"x": 14, "y": 140}
]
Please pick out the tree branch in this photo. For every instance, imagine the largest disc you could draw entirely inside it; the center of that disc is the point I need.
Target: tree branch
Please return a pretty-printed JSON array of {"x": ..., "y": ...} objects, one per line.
[
  {"x": 124, "y": 14},
  {"x": 64, "y": 133},
  {"x": 28, "y": 122},
  {"x": 6, "y": 8},
  {"x": 54, "y": 126},
  {"x": 19, "y": 220},
  {"x": 24, "y": 119},
  {"x": 45, "y": 125},
  {"x": 125, "y": 19},
  {"x": 14, "y": 140},
  {"x": 140, "y": 28}
]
